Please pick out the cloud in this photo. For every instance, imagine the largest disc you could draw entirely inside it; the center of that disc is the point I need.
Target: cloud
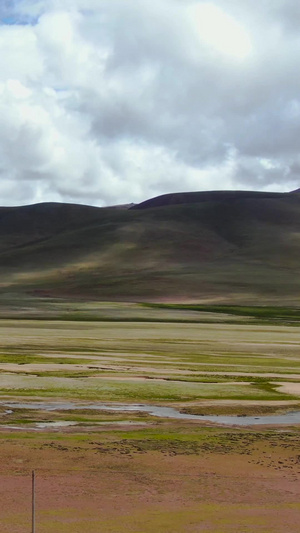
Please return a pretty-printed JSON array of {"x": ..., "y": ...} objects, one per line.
[{"x": 106, "y": 101}]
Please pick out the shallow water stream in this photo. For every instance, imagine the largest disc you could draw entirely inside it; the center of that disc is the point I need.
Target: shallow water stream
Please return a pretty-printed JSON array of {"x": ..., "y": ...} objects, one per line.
[{"x": 162, "y": 412}]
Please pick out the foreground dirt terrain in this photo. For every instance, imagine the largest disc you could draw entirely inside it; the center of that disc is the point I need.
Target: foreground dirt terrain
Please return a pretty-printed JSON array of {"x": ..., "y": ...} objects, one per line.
[{"x": 180, "y": 477}]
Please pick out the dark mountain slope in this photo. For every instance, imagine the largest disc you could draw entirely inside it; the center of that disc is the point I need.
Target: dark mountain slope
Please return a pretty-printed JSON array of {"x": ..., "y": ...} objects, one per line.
[
  {"x": 233, "y": 246},
  {"x": 32, "y": 223},
  {"x": 204, "y": 196}
]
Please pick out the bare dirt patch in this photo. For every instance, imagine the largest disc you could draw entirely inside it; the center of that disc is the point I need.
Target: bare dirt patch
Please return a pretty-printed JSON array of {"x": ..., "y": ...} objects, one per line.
[
  {"x": 187, "y": 480},
  {"x": 290, "y": 388}
]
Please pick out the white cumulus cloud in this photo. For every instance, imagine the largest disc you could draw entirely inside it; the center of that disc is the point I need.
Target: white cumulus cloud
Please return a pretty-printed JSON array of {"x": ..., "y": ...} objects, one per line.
[{"x": 113, "y": 101}]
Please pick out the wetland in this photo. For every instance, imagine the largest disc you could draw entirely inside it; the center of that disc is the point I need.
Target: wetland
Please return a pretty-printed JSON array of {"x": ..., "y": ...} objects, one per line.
[{"x": 176, "y": 421}]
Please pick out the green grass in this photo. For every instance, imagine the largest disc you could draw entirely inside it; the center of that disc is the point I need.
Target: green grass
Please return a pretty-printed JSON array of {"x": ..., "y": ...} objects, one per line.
[
  {"x": 263, "y": 313},
  {"x": 130, "y": 391},
  {"x": 27, "y": 359},
  {"x": 57, "y": 311}
]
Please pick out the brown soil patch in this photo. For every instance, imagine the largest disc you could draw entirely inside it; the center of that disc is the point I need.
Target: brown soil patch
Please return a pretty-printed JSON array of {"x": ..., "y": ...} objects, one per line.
[{"x": 228, "y": 481}]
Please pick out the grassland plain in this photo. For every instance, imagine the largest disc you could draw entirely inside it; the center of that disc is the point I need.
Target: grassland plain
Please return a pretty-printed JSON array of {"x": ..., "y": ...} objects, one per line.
[{"x": 119, "y": 471}]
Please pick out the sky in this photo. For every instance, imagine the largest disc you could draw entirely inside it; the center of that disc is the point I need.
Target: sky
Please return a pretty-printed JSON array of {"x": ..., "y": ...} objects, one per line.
[{"x": 105, "y": 102}]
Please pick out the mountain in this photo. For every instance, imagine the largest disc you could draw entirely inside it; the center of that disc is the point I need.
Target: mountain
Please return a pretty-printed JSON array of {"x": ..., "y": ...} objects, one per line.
[{"x": 229, "y": 246}]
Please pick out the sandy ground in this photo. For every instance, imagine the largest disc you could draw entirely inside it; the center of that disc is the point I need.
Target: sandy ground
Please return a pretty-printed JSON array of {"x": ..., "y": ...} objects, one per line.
[
  {"x": 52, "y": 367},
  {"x": 106, "y": 483},
  {"x": 290, "y": 388}
]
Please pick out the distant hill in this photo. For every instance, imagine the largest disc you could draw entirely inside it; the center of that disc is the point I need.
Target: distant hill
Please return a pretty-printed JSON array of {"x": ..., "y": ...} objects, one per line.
[
  {"x": 205, "y": 196},
  {"x": 229, "y": 246}
]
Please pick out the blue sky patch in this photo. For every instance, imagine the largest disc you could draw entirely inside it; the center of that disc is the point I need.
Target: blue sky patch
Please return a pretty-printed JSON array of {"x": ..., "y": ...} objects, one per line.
[{"x": 14, "y": 20}]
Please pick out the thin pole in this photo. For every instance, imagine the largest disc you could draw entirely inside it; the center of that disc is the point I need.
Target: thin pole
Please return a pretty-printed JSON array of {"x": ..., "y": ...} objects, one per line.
[{"x": 33, "y": 501}]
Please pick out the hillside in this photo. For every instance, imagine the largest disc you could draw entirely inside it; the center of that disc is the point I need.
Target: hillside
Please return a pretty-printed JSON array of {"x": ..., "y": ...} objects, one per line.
[{"x": 230, "y": 246}]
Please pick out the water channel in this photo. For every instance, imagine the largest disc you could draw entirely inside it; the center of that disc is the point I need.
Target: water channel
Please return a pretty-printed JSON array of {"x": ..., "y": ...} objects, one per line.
[{"x": 159, "y": 411}]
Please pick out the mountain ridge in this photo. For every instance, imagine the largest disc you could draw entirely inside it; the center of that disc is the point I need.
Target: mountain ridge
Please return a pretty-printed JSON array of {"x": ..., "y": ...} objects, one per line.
[{"x": 233, "y": 246}]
